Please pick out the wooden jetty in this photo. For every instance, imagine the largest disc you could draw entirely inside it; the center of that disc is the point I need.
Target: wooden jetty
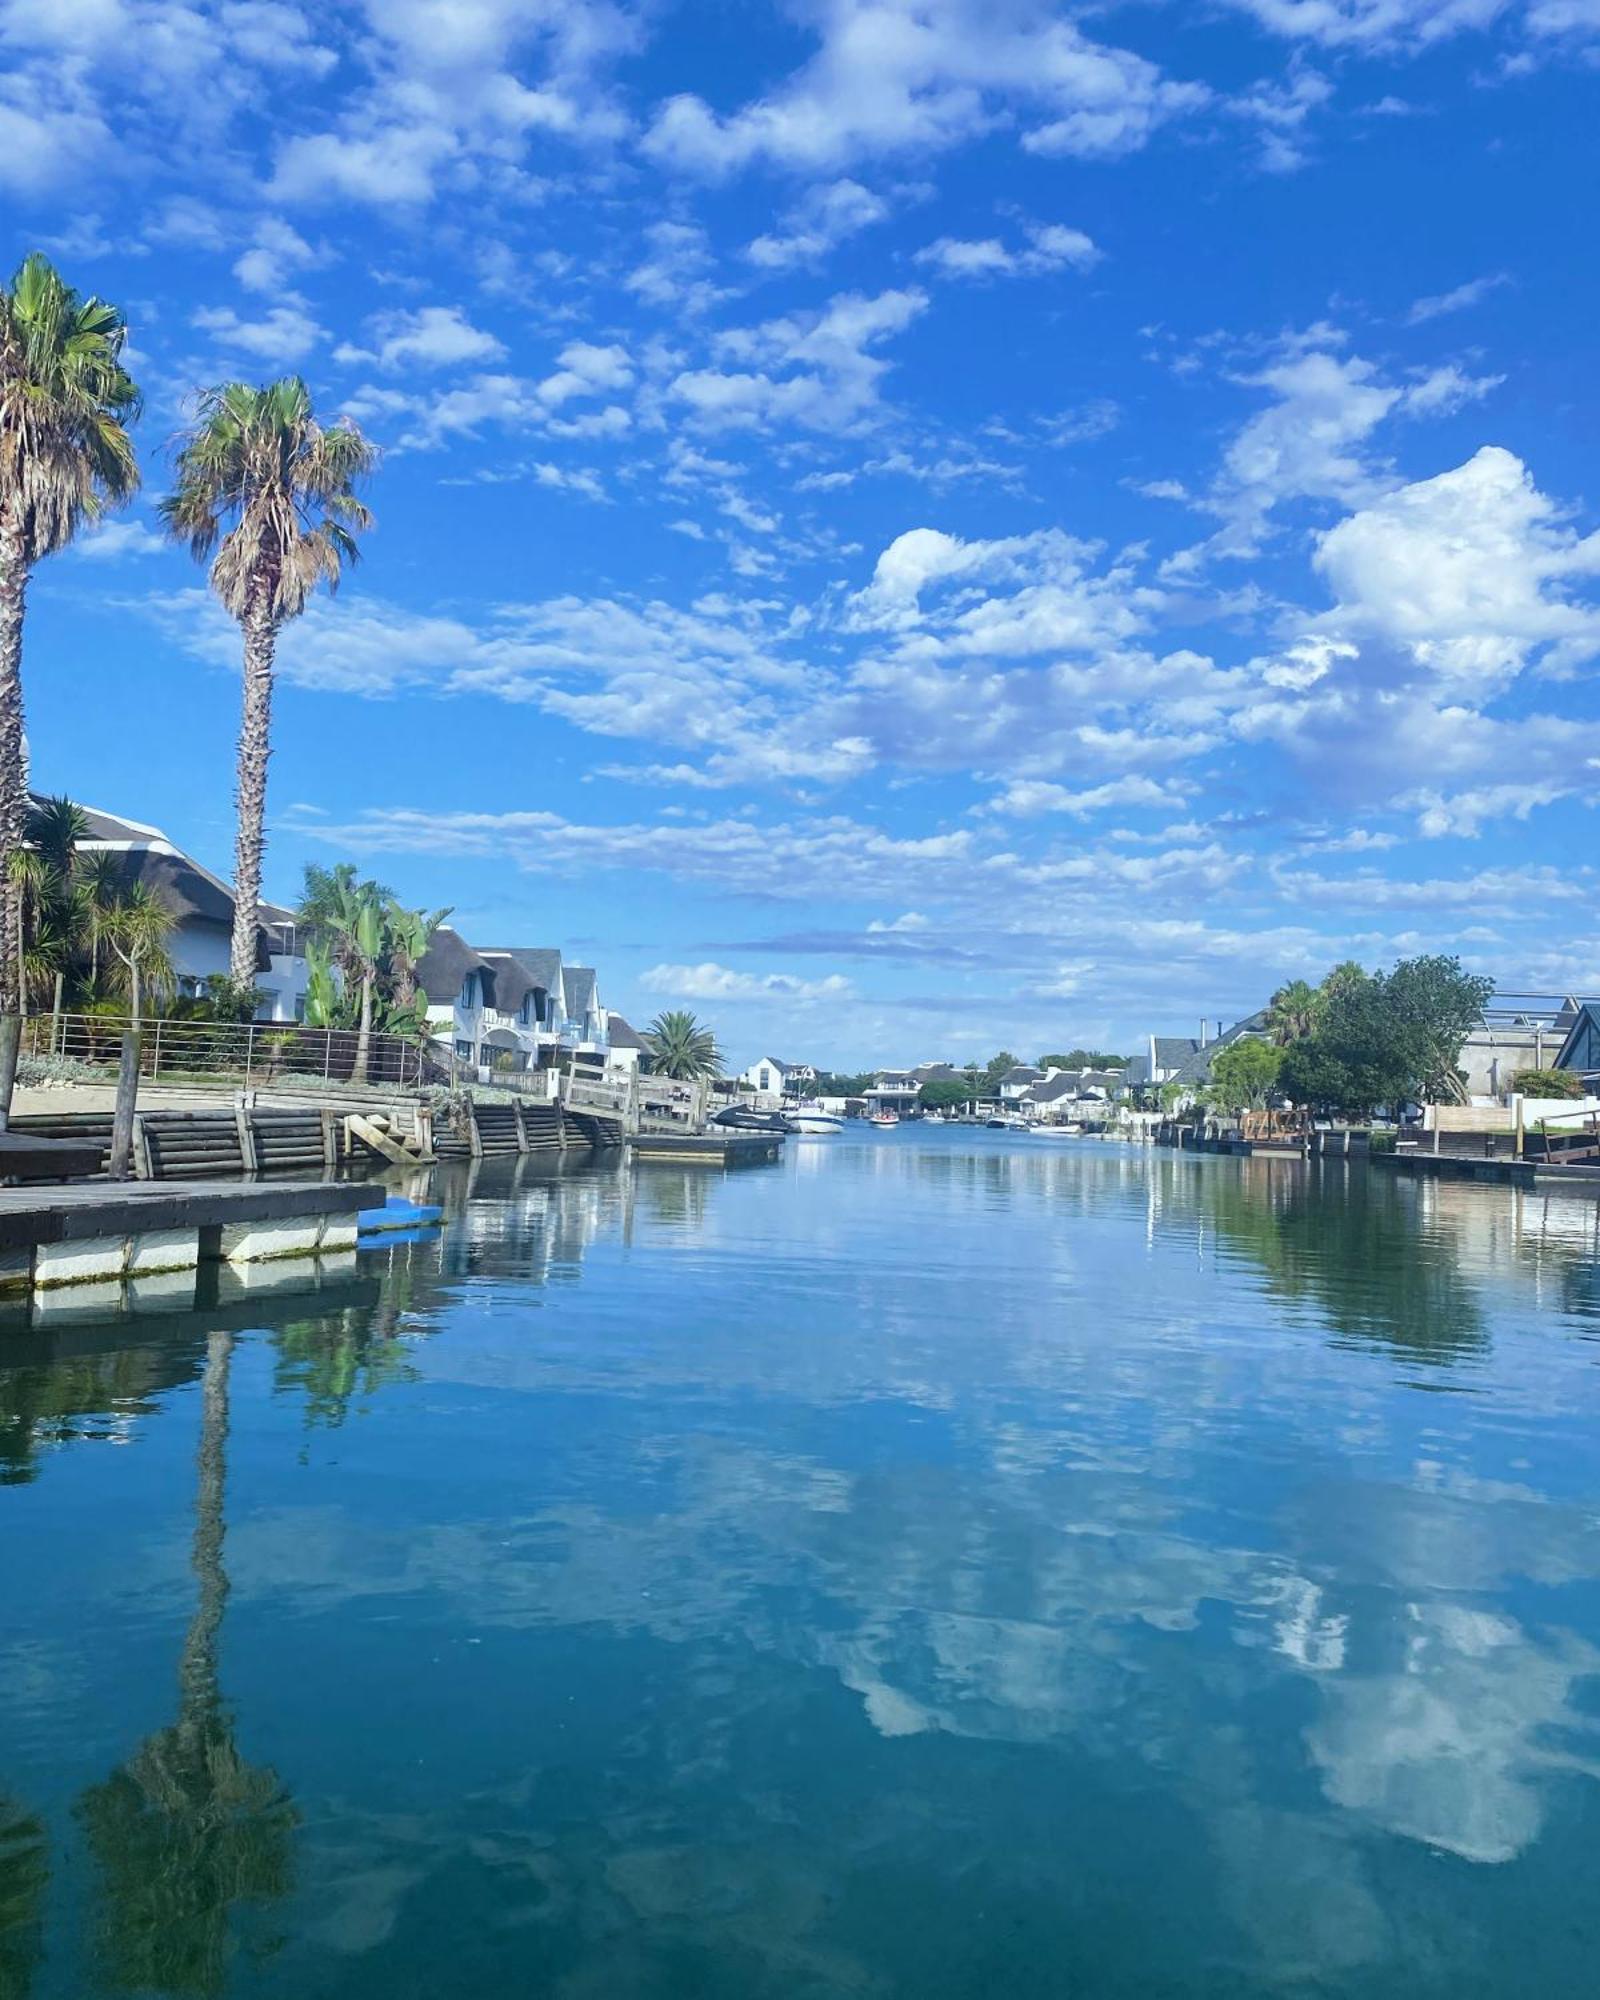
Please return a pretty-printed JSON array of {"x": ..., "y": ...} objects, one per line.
[
  {"x": 106, "y": 1232},
  {"x": 710, "y": 1148}
]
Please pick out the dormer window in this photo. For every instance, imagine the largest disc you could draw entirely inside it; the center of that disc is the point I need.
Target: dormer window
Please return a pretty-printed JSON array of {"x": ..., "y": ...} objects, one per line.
[{"x": 469, "y": 992}]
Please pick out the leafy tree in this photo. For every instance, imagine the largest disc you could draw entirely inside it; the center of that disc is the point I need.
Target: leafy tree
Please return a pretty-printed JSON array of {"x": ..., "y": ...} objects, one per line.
[
  {"x": 1243, "y": 1074},
  {"x": 261, "y": 483},
  {"x": 1548, "y": 1083},
  {"x": 1389, "y": 1038},
  {"x": 1437, "y": 1006},
  {"x": 1083, "y": 1059},
  {"x": 943, "y": 1094},
  {"x": 996, "y": 1068},
  {"x": 836, "y": 1083},
  {"x": 65, "y": 457},
  {"x": 679, "y": 1047}
]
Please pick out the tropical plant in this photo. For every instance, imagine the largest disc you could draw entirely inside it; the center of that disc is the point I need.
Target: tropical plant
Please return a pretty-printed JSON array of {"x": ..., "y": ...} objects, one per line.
[
  {"x": 52, "y": 912},
  {"x": 263, "y": 485},
  {"x": 1388, "y": 1039},
  {"x": 136, "y": 930},
  {"x": 679, "y": 1047},
  {"x": 410, "y": 934},
  {"x": 325, "y": 998},
  {"x": 65, "y": 457},
  {"x": 943, "y": 1093},
  {"x": 360, "y": 926},
  {"x": 1292, "y": 1012}
]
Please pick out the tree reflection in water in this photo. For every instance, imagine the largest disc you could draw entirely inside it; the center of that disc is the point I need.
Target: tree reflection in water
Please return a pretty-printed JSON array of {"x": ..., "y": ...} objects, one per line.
[
  {"x": 186, "y": 1828},
  {"x": 24, "y": 1877}
]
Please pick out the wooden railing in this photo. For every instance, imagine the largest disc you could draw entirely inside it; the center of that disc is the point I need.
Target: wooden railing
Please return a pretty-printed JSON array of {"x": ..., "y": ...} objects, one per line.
[{"x": 252, "y": 1052}]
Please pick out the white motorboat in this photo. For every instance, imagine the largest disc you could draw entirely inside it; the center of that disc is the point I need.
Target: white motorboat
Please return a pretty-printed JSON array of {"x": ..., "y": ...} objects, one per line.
[{"x": 808, "y": 1124}]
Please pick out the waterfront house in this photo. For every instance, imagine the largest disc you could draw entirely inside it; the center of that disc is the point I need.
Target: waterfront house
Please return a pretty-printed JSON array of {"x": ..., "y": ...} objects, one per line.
[
  {"x": 200, "y": 945},
  {"x": 771, "y": 1077},
  {"x": 513, "y": 1007}
]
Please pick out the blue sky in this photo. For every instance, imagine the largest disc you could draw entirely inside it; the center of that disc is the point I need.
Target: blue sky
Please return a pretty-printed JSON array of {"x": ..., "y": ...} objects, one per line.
[{"x": 904, "y": 528}]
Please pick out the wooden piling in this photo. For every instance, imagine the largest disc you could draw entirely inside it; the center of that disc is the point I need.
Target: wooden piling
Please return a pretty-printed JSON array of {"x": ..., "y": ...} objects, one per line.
[{"x": 122, "y": 1116}]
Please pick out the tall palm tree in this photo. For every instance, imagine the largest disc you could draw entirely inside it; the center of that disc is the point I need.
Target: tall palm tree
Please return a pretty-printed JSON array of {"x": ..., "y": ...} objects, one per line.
[
  {"x": 262, "y": 484},
  {"x": 65, "y": 456},
  {"x": 680, "y": 1047}
]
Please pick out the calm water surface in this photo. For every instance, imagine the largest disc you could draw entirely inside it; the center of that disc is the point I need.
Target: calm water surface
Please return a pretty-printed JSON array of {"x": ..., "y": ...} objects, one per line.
[{"x": 943, "y": 1565}]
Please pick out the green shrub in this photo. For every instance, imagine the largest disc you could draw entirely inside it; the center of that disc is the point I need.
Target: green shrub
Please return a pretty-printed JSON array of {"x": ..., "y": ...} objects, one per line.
[{"x": 1548, "y": 1083}]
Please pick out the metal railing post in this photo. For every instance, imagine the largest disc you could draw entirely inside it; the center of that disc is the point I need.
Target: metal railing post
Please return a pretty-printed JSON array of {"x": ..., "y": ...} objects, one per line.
[
  {"x": 327, "y": 1054},
  {"x": 249, "y": 1049},
  {"x": 155, "y": 1052}
]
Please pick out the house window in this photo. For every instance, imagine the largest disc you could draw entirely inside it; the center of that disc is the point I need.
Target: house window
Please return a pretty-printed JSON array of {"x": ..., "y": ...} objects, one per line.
[
  {"x": 469, "y": 992},
  {"x": 766, "y": 1080}
]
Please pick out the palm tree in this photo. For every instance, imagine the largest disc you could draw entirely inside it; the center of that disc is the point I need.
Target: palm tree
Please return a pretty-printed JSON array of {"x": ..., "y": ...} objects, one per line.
[
  {"x": 65, "y": 456},
  {"x": 136, "y": 928},
  {"x": 261, "y": 483},
  {"x": 679, "y": 1047},
  {"x": 1292, "y": 1012}
]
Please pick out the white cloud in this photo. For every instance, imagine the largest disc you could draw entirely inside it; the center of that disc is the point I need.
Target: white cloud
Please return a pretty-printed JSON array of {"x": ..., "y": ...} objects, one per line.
[
  {"x": 1457, "y": 300},
  {"x": 1026, "y": 798},
  {"x": 821, "y": 220},
  {"x": 1366, "y": 23},
  {"x": 1468, "y": 574},
  {"x": 431, "y": 337},
  {"x": 893, "y": 76},
  {"x": 1053, "y": 247},
  {"x": 393, "y": 167},
  {"x": 276, "y": 250},
  {"x": 117, "y": 541},
  {"x": 816, "y": 371},
  {"x": 586, "y": 370},
  {"x": 283, "y": 335},
  {"x": 717, "y": 982}
]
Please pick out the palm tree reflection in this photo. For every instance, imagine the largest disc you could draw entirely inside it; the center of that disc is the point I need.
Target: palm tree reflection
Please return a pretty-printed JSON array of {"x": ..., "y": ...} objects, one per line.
[{"x": 186, "y": 1828}]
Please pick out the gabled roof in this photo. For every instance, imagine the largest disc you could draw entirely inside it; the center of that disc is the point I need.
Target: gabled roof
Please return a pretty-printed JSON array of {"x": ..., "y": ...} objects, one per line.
[
  {"x": 1581, "y": 1049},
  {"x": 937, "y": 1073},
  {"x": 1050, "y": 1089},
  {"x": 577, "y": 990},
  {"x": 542, "y": 963},
  {"x": 1022, "y": 1073}
]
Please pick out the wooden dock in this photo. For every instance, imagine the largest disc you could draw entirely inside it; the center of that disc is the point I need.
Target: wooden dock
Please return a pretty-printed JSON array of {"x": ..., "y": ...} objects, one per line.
[
  {"x": 105, "y": 1233},
  {"x": 712, "y": 1148}
]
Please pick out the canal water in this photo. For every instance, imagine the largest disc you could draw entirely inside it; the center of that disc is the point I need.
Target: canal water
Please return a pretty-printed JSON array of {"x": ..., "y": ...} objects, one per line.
[{"x": 944, "y": 1564}]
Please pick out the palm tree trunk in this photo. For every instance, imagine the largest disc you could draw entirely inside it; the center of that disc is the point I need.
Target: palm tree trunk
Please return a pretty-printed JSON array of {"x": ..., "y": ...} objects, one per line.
[
  {"x": 364, "y": 1031},
  {"x": 13, "y": 777},
  {"x": 255, "y": 746},
  {"x": 137, "y": 994}
]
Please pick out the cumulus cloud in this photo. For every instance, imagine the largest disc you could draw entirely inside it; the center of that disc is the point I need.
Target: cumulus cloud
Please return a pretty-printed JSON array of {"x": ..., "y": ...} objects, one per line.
[
  {"x": 890, "y": 76},
  {"x": 431, "y": 337},
  {"x": 282, "y": 336},
  {"x": 817, "y": 223},
  {"x": 819, "y": 371}
]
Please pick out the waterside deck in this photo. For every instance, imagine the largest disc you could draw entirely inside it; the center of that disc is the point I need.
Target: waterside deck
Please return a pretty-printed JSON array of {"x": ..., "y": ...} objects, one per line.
[{"x": 109, "y": 1232}]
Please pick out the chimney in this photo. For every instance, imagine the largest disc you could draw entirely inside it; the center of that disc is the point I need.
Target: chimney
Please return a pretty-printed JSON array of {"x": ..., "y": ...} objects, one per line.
[{"x": 1204, "y": 1028}]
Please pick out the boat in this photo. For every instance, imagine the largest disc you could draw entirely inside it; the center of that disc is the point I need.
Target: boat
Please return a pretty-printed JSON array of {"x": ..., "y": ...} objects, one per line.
[
  {"x": 1011, "y": 1124},
  {"x": 809, "y": 1124},
  {"x": 883, "y": 1118},
  {"x": 740, "y": 1118},
  {"x": 1054, "y": 1131}
]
